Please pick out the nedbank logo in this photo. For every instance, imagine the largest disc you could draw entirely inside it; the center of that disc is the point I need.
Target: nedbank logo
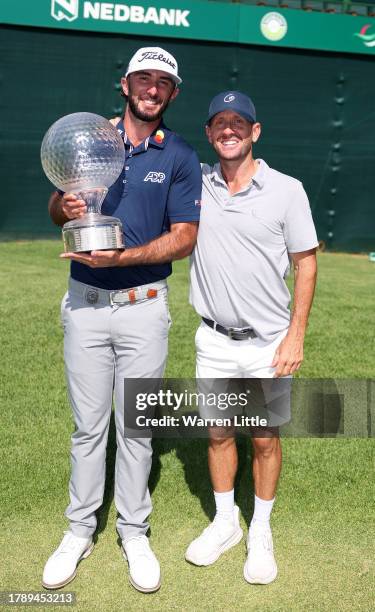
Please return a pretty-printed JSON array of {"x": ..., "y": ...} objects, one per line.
[
  {"x": 110, "y": 11},
  {"x": 64, "y": 9}
]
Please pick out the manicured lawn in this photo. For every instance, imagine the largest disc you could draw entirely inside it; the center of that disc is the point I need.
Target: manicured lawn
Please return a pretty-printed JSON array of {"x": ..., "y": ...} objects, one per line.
[{"x": 323, "y": 522}]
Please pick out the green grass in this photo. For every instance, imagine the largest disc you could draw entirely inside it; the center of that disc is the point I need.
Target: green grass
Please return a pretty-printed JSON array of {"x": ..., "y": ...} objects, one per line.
[{"x": 323, "y": 522}]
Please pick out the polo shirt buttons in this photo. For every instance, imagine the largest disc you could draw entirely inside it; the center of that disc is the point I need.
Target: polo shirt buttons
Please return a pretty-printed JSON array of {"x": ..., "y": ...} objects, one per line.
[{"x": 124, "y": 181}]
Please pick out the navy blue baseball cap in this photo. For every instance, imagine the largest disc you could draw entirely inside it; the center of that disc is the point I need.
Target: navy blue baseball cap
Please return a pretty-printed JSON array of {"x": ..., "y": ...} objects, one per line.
[{"x": 234, "y": 101}]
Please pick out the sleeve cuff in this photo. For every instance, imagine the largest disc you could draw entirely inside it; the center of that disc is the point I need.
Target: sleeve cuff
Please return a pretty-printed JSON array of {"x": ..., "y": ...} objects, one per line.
[
  {"x": 183, "y": 218},
  {"x": 302, "y": 248}
]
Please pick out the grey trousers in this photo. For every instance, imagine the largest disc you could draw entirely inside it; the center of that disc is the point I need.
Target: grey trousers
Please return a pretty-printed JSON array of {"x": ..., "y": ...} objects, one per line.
[{"x": 103, "y": 345}]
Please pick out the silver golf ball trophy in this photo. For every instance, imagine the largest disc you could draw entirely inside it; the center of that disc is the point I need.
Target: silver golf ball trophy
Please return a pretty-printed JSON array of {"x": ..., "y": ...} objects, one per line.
[{"x": 84, "y": 154}]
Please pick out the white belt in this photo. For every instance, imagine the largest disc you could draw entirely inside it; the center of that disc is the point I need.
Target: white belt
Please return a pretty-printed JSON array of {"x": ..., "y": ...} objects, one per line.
[
  {"x": 130, "y": 296},
  {"x": 96, "y": 295}
]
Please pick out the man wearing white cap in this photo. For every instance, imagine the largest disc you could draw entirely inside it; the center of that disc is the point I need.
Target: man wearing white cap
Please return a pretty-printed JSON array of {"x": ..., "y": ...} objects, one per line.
[
  {"x": 116, "y": 319},
  {"x": 253, "y": 219}
]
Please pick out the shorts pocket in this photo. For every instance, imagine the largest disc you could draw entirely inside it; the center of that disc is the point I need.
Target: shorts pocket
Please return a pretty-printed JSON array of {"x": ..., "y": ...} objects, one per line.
[{"x": 198, "y": 334}]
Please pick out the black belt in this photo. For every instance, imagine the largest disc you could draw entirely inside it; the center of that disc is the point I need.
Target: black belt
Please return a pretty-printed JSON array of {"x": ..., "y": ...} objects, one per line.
[{"x": 231, "y": 332}]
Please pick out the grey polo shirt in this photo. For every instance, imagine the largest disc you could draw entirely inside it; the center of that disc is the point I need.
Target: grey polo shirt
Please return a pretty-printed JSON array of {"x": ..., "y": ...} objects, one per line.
[{"x": 239, "y": 264}]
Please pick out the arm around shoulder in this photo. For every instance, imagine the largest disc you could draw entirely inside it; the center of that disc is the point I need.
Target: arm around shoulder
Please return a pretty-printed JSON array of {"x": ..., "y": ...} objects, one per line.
[
  {"x": 63, "y": 208},
  {"x": 55, "y": 209}
]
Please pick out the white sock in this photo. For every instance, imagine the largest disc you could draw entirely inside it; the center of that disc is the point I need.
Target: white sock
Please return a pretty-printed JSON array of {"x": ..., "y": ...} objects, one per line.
[
  {"x": 262, "y": 512},
  {"x": 224, "y": 503}
]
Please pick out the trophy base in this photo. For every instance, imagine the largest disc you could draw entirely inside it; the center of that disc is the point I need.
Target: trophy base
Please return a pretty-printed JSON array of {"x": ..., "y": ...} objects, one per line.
[{"x": 79, "y": 237}]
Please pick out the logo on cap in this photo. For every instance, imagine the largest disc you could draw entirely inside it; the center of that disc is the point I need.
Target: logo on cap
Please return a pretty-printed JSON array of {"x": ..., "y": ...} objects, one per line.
[
  {"x": 152, "y": 55},
  {"x": 229, "y": 98}
]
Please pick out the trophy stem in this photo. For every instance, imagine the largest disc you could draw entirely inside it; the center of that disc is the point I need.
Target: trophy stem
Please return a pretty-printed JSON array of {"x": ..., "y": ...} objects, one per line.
[{"x": 93, "y": 198}]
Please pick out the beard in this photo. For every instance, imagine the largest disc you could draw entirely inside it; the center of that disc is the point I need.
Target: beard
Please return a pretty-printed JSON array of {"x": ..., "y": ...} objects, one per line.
[{"x": 150, "y": 115}]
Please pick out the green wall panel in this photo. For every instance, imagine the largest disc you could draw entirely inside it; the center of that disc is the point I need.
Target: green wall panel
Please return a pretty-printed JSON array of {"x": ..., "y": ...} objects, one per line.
[
  {"x": 216, "y": 21},
  {"x": 316, "y": 110}
]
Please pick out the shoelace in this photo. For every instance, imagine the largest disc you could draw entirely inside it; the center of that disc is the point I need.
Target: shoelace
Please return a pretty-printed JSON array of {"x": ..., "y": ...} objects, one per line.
[
  {"x": 261, "y": 540},
  {"x": 69, "y": 543},
  {"x": 215, "y": 523},
  {"x": 140, "y": 546}
]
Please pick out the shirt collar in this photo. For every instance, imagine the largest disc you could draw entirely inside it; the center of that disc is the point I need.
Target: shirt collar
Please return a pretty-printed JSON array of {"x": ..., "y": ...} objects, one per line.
[
  {"x": 258, "y": 178},
  {"x": 157, "y": 139}
]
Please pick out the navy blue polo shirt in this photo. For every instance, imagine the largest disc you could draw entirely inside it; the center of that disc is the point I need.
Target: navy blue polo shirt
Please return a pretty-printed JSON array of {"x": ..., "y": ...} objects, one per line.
[{"x": 160, "y": 184}]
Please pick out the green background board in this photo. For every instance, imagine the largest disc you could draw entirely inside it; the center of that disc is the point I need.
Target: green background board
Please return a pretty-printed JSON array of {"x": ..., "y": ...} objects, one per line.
[
  {"x": 224, "y": 22},
  {"x": 316, "y": 109}
]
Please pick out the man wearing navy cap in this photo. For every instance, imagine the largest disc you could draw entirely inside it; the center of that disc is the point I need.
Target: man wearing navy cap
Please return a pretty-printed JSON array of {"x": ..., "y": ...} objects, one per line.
[
  {"x": 116, "y": 319},
  {"x": 253, "y": 219}
]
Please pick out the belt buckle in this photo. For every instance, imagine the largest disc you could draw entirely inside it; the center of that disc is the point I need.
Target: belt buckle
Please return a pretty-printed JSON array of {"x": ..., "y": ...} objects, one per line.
[
  {"x": 112, "y": 297},
  {"x": 125, "y": 296},
  {"x": 238, "y": 334}
]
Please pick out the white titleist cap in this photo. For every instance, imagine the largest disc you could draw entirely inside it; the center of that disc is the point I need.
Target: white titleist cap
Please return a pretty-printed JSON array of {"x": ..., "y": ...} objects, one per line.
[{"x": 154, "y": 58}]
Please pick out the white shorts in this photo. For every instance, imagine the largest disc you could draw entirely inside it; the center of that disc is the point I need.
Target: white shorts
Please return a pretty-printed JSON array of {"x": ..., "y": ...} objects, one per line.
[{"x": 249, "y": 363}]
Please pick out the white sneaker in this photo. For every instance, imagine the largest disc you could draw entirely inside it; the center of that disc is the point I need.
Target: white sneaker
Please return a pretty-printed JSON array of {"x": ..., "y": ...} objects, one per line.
[
  {"x": 260, "y": 566},
  {"x": 218, "y": 537},
  {"x": 144, "y": 568},
  {"x": 61, "y": 567}
]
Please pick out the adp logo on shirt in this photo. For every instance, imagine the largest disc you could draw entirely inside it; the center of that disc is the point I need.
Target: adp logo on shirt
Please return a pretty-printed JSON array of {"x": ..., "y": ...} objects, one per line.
[{"x": 155, "y": 177}]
